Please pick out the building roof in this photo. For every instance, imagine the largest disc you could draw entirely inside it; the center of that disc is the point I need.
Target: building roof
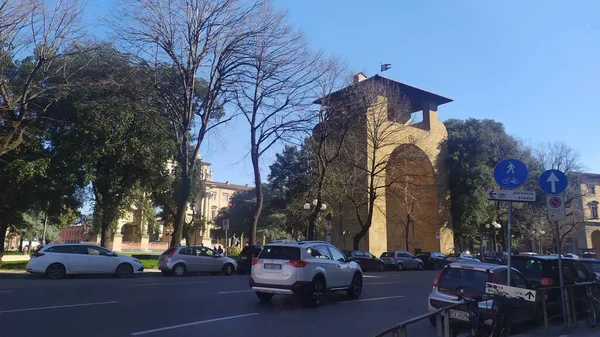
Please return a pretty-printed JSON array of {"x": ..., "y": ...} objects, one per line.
[
  {"x": 418, "y": 97},
  {"x": 585, "y": 175},
  {"x": 228, "y": 186}
]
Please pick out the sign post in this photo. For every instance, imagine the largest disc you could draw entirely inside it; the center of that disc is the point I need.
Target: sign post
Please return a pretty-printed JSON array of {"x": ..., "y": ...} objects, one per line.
[
  {"x": 226, "y": 228},
  {"x": 554, "y": 182},
  {"x": 510, "y": 174}
]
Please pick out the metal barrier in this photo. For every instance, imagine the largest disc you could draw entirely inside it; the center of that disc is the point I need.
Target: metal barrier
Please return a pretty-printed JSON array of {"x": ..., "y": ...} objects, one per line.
[
  {"x": 443, "y": 324},
  {"x": 401, "y": 330}
]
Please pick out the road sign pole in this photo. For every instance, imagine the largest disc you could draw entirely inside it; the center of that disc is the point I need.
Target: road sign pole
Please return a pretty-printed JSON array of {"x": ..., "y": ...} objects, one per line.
[
  {"x": 509, "y": 242},
  {"x": 561, "y": 280},
  {"x": 226, "y": 242}
]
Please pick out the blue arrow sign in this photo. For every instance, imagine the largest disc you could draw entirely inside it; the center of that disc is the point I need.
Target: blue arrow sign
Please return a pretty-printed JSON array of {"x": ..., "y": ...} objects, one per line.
[
  {"x": 553, "y": 182},
  {"x": 510, "y": 173}
]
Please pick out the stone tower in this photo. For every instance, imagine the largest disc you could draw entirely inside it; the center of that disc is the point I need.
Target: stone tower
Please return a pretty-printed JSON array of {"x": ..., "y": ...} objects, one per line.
[{"x": 403, "y": 156}]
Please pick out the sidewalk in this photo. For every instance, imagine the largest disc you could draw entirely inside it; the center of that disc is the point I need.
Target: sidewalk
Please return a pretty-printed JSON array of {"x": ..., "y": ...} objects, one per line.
[
  {"x": 20, "y": 257},
  {"x": 582, "y": 330}
]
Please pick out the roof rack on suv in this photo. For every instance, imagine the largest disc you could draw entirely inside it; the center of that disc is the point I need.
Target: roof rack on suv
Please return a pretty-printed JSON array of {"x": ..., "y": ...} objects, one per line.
[
  {"x": 312, "y": 241},
  {"x": 282, "y": 241}
]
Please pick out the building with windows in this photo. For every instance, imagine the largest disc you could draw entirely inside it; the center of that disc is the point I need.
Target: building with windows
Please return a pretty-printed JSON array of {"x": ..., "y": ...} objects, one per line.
[{"x": 588, "y": 235}]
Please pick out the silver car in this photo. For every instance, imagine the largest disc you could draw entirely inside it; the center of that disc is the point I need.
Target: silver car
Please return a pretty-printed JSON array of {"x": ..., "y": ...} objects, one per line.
[
  {"x": 469, "y": 280},
  {"x": 181, "y": 260},
  {"x": 401, "y": 260}
]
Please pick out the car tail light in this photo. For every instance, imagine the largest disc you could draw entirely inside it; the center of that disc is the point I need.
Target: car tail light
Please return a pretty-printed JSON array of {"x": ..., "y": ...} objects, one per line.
[
  {"x": 298, "y": 263},
  {"x": 437, "y": 278},
  {"x": 547, "y": 282},
  {"x": 171, "y": 253},
  {"x": 37, "y": 254},
  {"x": 254, "y": 261},
  {"x": 493, "y": 279}
]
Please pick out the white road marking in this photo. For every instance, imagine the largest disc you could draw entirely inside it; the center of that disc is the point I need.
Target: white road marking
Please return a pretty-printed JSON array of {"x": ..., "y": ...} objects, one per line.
[
  {"x": 192, "y": 323},
  {"x": 59, "y": 307},
  {"x": 163, "y": 283},
  {"x": 234, "y": 291},
  {"x": 373, "y": 299},
  {"x": 374, "y": 283},
  {"x": 7, "y": 291},
  {"x": 371, "y": 276}
]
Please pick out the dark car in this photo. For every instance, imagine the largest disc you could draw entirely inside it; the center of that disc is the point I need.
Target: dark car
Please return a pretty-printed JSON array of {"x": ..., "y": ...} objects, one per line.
[
  {"x": 245, "y": 259},
  {"x": 542, "y": 270},
  {"x": 433, "y": 260},
  {"x": 593, "y": 266},
  {"x": 366, "y": 260}
]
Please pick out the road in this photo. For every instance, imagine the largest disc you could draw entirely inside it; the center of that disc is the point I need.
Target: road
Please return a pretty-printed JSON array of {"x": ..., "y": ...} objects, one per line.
[{"x": 157, "y": 306}]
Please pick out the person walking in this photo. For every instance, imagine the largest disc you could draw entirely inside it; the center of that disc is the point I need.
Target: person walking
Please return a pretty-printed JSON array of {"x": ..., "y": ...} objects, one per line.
[{"x": 220, "y": 250}]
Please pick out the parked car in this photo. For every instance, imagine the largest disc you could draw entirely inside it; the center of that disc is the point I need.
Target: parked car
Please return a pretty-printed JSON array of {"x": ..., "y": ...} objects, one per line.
[
  {"x": 542, "y": 271},
  {"x": 593, "y": 266},
  {"x": 588, "y": 255},
  {"x": 306, "y": 268},
  {"x": 469, "y": 279},
  {"x": 433, "y": 260},
  {"x": 571, "y": 256},
  {"x": 181, "y": 260},
  {"x": 401, "y": 260},
  {"x": 245, "y": 259},
  {"x": 365, "y": 259},
  {"x": 462, "y": 257},
  {"x": 59, "y": 260}
]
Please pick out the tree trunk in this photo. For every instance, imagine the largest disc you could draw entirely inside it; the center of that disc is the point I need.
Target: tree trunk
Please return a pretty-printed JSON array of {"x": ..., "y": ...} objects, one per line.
[
  {"x": 105, "y": 225},
  {"x": 407, "y": 231},
  {"x": 363, "y": 231},
  {"x": 258, "y": 192},
  {"x": 3, "y": 229},
  {"x": 186, "y": 234},
  {"x": 21, "y": 239},
  {"x": 182, "y": 205}
]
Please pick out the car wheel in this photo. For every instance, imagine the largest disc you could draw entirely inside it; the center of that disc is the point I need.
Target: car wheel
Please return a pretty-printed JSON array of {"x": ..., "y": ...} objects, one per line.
[
  {"x": 56, "y": 271},
  {"x": 400, "y": 267},
  {"x": 381, "y": 268},
  {"x": 356, "y": 286},
  {"x": 264, "y": 297},
  {"x": 179, "y": 269},
  {"x": 228, "y": 269},
  {"x": 420, "y": 266},
  {"x": 124, "y": 270},
  {"x": 316, "y": 293}
]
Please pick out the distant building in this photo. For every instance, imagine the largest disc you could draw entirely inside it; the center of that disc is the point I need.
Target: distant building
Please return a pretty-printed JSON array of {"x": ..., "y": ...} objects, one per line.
[
  {"x": 587, "y": 237},
  {"x": 75, "y": 233}
]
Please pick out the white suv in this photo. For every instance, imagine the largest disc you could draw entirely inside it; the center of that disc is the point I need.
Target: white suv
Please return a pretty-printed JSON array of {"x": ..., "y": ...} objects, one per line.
[{"x": 306, "y": 268}]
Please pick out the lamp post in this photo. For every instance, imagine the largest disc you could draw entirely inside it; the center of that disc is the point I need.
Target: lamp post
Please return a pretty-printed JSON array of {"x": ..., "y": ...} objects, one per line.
[
  {"x": 540, "y": 234},
  {"x": 308, "y": 207},
  {"x": 494, "y": 227}
]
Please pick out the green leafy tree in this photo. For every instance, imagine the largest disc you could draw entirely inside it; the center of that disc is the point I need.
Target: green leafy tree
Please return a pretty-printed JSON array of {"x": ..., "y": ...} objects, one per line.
[{"x": 109, "y": 124}]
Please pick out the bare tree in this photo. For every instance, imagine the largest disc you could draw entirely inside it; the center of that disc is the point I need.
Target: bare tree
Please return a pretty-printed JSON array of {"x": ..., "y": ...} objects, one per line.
[
  {"x": 49, "y": 32},
  {"x": 273, "y": 88},
  {"x": 560, "y": 156},
  {"x": 372, "y": 145},
  {"x": 194, "y": 48}
]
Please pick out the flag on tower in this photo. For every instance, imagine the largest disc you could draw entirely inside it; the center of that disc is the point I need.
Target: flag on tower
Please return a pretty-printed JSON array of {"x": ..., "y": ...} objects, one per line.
[{"x": 386, "y": 66}]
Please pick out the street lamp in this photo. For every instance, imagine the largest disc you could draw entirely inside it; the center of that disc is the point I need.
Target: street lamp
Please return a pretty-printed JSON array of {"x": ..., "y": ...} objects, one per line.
[
  {"x": 496, "y": 226},
  {"x": 307, "y": 206}
]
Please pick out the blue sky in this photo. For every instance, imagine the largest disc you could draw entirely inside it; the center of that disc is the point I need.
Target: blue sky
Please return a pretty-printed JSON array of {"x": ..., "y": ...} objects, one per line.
[{"x": 531, "y": 65}]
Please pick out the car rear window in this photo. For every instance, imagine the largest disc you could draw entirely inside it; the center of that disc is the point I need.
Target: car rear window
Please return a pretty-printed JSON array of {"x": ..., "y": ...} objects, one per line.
[
  {"x": 473, "y": 281},
  {"x": 168, "y": 251},
  {"x": 250, "y": 251},
  {"x": 387, "y": 254},
  {"x": 280, "y": 253},
  {"x": 530, "y": 268},
  {"x": 593, "y": 267}
]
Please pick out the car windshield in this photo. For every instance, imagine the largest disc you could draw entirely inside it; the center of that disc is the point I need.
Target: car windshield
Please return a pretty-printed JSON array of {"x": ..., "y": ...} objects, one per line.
[{"x": 472, "y": 281}]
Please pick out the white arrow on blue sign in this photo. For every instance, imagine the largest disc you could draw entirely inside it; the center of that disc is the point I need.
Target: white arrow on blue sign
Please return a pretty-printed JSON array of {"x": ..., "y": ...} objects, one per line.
[
  {"x": 510, "y": 173},
  {"x": 553, "y": 181}
]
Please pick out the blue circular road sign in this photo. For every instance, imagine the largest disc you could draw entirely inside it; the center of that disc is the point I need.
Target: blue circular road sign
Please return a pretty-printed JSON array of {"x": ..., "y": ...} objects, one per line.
[
  {"x": 553, "y": 182},
  {"x": 510, "y": 173}
]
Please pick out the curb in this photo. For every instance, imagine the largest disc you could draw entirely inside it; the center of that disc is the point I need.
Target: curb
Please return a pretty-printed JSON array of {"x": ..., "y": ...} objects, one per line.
[{"x": 21, "y": 274}]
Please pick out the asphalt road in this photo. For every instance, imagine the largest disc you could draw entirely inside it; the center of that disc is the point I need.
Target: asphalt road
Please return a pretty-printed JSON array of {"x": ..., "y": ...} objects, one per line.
[{"x": 207, "y": 305}]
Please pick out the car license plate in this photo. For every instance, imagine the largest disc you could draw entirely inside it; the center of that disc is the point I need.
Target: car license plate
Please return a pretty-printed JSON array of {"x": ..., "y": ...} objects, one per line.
[
  {"x": 272, "y": 266},
  {"x": 459, "y": 315}
]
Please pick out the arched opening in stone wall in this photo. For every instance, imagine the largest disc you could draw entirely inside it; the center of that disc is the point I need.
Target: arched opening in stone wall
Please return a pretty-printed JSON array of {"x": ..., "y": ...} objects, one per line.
[
  {"x": 596, "y": 240},
  {"x": 411, "y": 201},
  {"x": 130, "y": 233}
]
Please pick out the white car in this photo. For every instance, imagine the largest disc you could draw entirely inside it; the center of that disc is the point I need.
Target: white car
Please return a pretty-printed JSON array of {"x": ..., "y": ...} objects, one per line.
[
  {"x": 59, "y": 260},
  {"x": 305, "y": 268}
]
